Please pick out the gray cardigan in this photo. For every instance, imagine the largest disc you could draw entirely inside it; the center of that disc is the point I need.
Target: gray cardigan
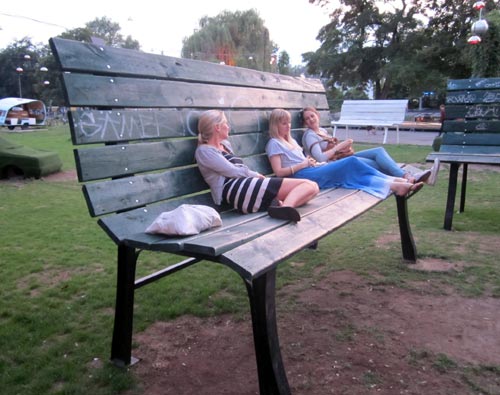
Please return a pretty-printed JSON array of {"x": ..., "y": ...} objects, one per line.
[{"x": 215, "y": 168}]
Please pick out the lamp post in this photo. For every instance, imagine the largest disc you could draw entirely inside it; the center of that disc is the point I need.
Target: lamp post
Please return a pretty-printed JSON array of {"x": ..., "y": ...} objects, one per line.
[{"x": 20, "y": 70}]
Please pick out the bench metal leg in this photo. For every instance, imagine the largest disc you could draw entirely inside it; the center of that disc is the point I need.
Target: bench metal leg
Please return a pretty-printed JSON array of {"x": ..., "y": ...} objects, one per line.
[
  {"x": 408, "y": 246},
  {"x": 452, "y": 191},
  {"x": 272, "y": 376},
  {"x": 464, "y": 187},
  {"x": 386, "y": 129},
  {"x": 121, "y": 346}
]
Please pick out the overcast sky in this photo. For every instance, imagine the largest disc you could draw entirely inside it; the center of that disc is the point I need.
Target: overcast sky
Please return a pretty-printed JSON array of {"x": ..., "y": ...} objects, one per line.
[{"x": 160, "y": 26}]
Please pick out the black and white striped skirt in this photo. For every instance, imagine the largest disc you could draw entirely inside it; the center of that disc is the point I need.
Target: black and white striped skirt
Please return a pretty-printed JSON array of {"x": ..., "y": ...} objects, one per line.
[{"x": 252, "y": 194}]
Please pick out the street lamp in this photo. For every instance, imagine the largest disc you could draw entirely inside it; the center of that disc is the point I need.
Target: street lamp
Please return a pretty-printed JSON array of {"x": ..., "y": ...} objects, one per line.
[
  {"x": 480, "y": 26},
  {"x": 20, "y": 71}
]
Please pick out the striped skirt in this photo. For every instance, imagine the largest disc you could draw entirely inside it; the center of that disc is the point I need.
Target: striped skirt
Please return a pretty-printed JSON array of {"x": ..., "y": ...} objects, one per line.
[{"x": 252, "y": 194}]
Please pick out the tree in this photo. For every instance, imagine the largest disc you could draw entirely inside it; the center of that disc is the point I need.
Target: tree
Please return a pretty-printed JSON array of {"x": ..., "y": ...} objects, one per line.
[
  {"x": 284, "y": 63},
  {"x": 31, "y": 58},
  {"x": 403, "y": 47},
  {"x": 32, "y": 79},
  {"x": 104, "y": 29},
  {"x": 235, "y": 38}
]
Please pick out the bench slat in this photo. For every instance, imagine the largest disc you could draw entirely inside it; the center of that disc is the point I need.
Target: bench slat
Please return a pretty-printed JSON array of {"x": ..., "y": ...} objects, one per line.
[
  {"x": 472, "y": 139},
  {"x": 473, "y": 83},
  {"x": 97, "y": 126},
  {"x": 463, "y": 156},
  {"x": 86, "y": 57},
  {"x": 473, "y": 97},
  {"x": 127, "y": 159},
  {"x": 473, "y": 111},
  {"x": 126, "y": 193},
  {"x": 471, "y": 149},
  {"x": 472, "y": 127},
  {"x": 115, "y": 92}
]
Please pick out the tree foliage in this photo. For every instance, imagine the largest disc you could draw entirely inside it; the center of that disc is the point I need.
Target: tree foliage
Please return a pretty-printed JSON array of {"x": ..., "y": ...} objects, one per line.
[
  {"x": 235, "y": 38},
  {"x": 32, "y": 79},
  {"x": 401, "y": 47},
  {"x": 104, "y": 29},
  {"x": 284, "y": 63}
]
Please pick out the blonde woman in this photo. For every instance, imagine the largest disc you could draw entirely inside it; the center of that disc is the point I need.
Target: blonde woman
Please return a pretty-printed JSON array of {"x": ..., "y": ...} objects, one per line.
[
  {"x": 233, "y": 183},
  {"x": 288, "y": 160}
]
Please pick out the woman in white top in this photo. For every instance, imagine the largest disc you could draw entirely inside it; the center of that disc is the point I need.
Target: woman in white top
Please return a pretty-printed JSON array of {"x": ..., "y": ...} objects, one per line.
[
  {"x": 288, "y": 160},
  {"x": 232, "y": 182}
]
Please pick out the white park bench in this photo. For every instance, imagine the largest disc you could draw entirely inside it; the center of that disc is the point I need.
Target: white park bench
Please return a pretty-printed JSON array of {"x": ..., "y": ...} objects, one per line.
[{"x": 376, "y": 113}]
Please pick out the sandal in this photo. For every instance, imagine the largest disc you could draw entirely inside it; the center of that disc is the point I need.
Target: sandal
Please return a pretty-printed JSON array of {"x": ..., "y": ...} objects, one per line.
[
  {"x": 423, "y": 176},
  {"x": 284, "y": 212},
  {"x": 414, "y": 189}
]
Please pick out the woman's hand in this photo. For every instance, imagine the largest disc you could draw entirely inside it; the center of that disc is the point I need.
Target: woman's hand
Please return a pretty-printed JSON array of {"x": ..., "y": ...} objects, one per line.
[{"x": 308, "y": 162}]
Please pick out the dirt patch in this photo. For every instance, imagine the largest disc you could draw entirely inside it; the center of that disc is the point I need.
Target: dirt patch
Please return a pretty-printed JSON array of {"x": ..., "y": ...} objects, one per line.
[
  {"x": 344, "y": 335},
  {"x": 68, "y": 175}
]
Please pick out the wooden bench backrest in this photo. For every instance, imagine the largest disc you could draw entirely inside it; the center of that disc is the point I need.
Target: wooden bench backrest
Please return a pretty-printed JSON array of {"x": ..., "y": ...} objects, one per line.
[
  {"x": 136, "y": 115},
  {"x": 391, "y": 111},
  {"x": 472, "y": 116}
]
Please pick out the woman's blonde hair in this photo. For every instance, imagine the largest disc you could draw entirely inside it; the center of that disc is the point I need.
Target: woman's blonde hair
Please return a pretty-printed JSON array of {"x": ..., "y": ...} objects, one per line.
[
  {"x": 206, "y": 124},
  {"x": 276, "y": 117}
]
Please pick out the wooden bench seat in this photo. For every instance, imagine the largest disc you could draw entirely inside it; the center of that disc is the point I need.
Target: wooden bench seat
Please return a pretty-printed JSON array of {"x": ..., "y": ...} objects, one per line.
[
  {"x": 377, "y": 113},
  {"x": 471, "y": 133},
  {"x": 133, "y": 120}
]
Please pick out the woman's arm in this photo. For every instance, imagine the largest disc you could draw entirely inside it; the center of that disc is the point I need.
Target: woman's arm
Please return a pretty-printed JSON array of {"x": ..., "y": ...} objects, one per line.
[
  {"x": 215, "y": 161},
  {"x": 280, "y": 171},
  {"x": 312, "y": 144}
]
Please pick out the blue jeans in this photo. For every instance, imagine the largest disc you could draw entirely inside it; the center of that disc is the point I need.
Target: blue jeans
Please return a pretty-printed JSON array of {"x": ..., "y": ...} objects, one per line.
[{"x": 379, "y": 159}]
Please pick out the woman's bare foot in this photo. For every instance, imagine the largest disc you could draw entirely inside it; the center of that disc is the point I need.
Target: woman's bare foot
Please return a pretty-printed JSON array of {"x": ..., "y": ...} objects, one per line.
[
  {"x": 409, "y": 177},
  {"x": 404, "y": 188}
]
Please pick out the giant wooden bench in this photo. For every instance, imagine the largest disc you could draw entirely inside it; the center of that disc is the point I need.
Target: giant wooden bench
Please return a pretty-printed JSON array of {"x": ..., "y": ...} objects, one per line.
[
  {"x": 140, "y": 111},
  {"x": 471, "y": 133},
  {"x": 382, "y": 113}
]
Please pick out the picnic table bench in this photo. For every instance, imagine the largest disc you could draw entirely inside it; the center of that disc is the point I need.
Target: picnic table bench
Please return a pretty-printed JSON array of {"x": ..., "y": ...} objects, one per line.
[
  {"x": 136, "y": 115},
  {"x": 471, "y": 133},
  {"x": 376, "y": 113}
]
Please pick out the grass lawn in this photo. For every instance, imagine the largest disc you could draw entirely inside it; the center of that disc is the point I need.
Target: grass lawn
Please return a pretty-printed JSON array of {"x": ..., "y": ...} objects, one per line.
[{"x": 58, "y": 271}]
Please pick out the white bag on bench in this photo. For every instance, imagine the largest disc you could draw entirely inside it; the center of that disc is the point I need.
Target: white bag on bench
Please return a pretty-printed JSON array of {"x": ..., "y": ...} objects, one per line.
[{"x": 185, "y": 220}]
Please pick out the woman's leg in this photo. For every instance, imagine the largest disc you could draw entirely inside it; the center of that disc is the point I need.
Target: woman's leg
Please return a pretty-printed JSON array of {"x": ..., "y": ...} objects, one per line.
[
  {"x": 295, "y": 192},
  {"x": 385, "y": 163},
  {"x": 351, "y": 173},
  {"x": 370, "y": 162}
]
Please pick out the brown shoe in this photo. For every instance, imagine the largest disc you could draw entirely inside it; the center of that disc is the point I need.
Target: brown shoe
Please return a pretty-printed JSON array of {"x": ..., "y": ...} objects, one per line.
[
  {"x": 423, "y": 176},
  {"x": 284, "y": 212},
  {"x": 434, "y": 172}
]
